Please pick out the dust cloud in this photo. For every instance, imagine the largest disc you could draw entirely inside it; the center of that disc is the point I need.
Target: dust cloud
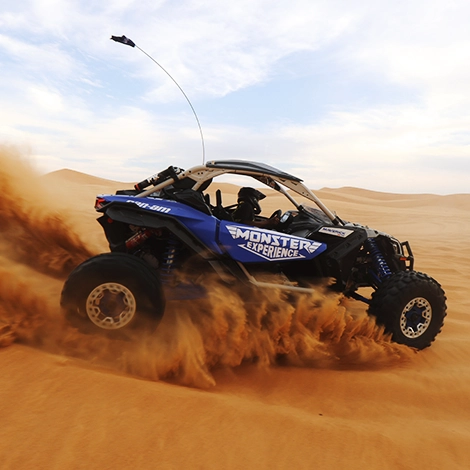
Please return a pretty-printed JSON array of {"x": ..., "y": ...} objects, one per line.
[
  {"x": 232, "y": 325},
  {"x": 33, "y": 227}
]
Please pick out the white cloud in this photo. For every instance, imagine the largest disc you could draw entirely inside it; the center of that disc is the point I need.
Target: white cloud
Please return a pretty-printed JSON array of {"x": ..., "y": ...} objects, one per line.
[
  {"x": 84, "y": 101},
  {"x": 48, "y": 100}
]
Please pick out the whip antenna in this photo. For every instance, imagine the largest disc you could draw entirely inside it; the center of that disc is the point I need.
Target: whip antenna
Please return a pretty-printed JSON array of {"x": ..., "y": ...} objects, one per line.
[{"x": 129, "y": 42}]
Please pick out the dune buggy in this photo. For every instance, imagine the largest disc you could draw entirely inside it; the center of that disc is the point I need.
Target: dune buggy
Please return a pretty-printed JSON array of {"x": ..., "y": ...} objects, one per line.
[{"x": 167, "y": 225}]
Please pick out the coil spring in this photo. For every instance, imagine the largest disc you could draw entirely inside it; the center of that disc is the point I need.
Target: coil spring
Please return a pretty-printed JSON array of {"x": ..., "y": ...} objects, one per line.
[
  {"x": 380, "y": 265},
  {"x": 170, "y": 256}
]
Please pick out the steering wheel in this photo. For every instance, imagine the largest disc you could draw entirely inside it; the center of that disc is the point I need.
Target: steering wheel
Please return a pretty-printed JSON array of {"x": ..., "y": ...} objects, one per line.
[{"x": 277, "y": 214}]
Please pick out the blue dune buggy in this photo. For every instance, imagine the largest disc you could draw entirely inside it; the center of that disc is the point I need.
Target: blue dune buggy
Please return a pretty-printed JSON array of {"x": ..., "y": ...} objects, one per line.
[{"x": 167, "y": 225}]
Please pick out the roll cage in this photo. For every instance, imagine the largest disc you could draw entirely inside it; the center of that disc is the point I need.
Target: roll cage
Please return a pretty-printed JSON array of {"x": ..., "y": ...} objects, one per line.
[{"x": 200, "y": 177}]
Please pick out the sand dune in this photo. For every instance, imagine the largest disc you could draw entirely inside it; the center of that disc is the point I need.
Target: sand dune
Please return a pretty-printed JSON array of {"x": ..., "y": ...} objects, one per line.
[{"x": 203, "y": 391}]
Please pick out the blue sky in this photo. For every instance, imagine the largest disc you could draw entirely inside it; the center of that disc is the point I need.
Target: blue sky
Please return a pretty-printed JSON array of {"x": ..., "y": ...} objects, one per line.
[{"x": 372, "y": 94}]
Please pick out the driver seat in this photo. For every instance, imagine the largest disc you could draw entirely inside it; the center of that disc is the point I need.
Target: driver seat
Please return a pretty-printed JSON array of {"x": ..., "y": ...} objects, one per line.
[{"x": 219, "y": 211}]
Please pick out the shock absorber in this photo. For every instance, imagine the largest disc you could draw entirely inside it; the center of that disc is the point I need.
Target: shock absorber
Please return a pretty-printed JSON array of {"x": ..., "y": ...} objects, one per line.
[
  {"x": 170, "y": 256},
  {"x": 138, "y": 238},
  {"x": 381, "y": 267}
]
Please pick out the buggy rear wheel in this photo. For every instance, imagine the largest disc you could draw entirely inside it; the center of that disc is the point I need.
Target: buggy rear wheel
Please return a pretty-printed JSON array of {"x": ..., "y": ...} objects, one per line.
[
  {"x": 411, "y": 306},
  {"x": 113, "y": 291}
]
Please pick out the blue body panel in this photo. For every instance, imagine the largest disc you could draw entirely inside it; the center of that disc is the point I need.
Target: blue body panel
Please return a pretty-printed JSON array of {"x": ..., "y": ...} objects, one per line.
[
  {"x": 202, "y": 225},
  {"x": 241, "y": 242}
]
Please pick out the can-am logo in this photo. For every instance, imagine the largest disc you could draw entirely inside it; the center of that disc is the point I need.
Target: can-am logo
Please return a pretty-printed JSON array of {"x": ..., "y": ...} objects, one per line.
[
  {"x": 272, "y": 246},
  {"x": 152, "y": 207}
]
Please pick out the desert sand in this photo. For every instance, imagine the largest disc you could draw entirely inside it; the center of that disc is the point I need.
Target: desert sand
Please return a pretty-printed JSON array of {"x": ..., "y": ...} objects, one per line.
[{"x": 207, "y": 390}]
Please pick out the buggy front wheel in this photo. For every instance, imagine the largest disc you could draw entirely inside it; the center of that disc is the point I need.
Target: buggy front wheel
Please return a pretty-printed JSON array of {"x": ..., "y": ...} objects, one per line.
[{"x": 412, "y": 307}]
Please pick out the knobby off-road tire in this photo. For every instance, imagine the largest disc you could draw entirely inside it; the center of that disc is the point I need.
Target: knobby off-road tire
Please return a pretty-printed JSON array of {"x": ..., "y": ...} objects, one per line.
[
  {"x": 113, "y": 291},
  {"x": 412, "y": 307}
]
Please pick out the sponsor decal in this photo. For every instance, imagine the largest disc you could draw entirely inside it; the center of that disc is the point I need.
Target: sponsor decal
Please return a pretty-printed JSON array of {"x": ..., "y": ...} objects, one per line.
[
  {"x": 272, "y": 246},
  {"x": 337, "y": 232},
  {"x": 152, "y": 207}
]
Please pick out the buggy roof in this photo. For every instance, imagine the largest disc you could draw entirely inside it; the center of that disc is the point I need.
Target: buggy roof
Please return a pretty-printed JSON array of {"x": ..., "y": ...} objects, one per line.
[{"x": 251, "y": 167}]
